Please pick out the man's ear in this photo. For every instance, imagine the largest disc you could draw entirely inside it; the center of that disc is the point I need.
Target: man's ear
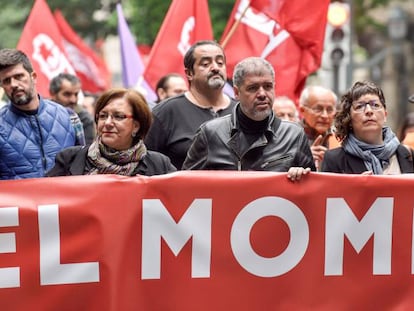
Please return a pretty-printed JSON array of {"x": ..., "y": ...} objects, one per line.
[
  {"x": 34, "y": 76},
  {"x": 189, "y": 74},
  {"x": 161, "y": 93},
  {"x": 236, "y": 92}
]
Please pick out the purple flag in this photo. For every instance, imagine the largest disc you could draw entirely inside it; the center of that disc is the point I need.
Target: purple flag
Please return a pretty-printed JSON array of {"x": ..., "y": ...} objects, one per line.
[{"x": 132, "y": 65}]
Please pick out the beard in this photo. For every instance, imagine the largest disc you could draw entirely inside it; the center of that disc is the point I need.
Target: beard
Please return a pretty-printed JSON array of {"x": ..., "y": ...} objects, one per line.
[
  {"x": 23, "y": 99},
  {"x": 216, "y": 82},
  {"x": 257, "y": 115}
]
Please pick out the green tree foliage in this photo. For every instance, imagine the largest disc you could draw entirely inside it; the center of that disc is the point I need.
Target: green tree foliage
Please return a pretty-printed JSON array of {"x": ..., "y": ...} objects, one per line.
[
  {"x": 144, "y": 17},
  {"x": 11, "y": 17}
]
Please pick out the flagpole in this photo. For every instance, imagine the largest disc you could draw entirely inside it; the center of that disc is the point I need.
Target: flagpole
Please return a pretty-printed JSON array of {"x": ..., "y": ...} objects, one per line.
[{"x": 234, "y": 27}]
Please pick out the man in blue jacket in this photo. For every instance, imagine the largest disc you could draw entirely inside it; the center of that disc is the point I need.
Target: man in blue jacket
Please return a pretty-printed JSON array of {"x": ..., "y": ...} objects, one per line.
[{"x": 32, "y": 129}]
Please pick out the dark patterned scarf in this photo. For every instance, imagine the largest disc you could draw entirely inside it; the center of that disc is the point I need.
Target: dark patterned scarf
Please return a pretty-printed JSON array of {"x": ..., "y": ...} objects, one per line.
[{"x": 106, "y": 160}]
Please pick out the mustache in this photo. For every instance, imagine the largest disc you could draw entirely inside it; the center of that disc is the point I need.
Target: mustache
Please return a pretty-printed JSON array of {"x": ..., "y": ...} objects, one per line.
[
  {"x": 214, "y": 74},
  {"x": 17, "y": 90}
]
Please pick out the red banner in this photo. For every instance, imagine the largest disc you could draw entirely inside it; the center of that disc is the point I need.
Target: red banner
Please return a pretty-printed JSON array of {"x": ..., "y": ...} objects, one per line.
[{"x": 207, "y": 241}]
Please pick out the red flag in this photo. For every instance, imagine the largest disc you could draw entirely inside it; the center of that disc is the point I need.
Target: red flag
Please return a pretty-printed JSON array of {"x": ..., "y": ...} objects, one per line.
[
  {"x": 89, "y": 67},
  {"x": 42, "y": 43},
  {"x": 289, "y": 35},
  {"x": 186, "y": 22}
]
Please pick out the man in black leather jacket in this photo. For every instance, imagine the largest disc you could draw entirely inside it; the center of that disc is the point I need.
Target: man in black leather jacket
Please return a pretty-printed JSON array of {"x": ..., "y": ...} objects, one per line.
[{"x": 251, "y": 138}]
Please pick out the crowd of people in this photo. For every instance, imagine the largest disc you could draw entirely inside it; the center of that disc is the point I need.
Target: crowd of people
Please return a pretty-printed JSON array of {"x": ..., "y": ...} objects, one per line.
[{"x": 194, "y": 125}]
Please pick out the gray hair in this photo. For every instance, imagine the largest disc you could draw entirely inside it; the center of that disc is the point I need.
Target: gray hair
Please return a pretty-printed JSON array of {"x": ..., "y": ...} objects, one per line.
[
  {"x": 312, "y": 89},
  {"x": 251, "y": 65},
  {"x": 57, "y": 81}
]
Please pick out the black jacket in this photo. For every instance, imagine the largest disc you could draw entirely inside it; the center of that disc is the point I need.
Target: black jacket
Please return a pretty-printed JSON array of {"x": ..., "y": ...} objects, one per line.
[
  {"x": 176, "y": 121},
  {"x": 73, "y": 161},
  {"x": 338, "y": 161},
  {"x": 219, "y": 145}
]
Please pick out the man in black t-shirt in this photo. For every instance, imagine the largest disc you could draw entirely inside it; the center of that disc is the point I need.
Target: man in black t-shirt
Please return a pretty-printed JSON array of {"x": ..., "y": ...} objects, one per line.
[{"x": 177, "y": 119}]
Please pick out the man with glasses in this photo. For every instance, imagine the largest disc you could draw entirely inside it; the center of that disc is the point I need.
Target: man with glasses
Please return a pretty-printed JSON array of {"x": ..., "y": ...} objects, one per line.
[
  {"x": 32, "y": 129},
  {"x": 317, "y": 106}
]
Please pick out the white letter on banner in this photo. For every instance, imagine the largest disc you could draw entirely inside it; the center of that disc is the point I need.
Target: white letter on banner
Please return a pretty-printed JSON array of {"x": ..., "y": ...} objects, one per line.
[
  {"x": 9, "y": 216},
  {"x": 157, "y": 222},
  {"x": 52, "y": 272},
  {"x": 340, "y": 221},
  {"x": 240, "y": 236}
]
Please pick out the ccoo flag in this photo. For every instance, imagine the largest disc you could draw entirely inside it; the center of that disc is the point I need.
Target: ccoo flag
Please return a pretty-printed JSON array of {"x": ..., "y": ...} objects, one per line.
[
  {"x": 289, "y": 34},
  {"x": 90, "y": 68},
  {"x": 186, "y": 22},
  {"x": 42, "y": 42}
]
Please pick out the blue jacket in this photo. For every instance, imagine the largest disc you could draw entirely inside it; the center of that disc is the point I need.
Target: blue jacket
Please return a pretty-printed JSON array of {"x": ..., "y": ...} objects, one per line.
[{"x": 30, "y": 142}]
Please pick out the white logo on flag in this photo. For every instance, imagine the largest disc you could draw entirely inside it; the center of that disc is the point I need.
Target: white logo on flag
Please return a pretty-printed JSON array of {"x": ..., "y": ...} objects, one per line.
[
  {"x": 184, "y": 43},
  {"x": 83, "y": 64},
  {"x": 263, "y": 24},
  {"x": 50, "y": 57}
]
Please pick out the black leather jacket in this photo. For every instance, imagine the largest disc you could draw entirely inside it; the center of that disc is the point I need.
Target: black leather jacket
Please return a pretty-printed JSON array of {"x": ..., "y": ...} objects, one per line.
[{"x": 218, "y": 144}]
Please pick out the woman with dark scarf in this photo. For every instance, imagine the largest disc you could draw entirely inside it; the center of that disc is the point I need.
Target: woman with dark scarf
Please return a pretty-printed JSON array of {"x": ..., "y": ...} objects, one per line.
[
  {"x": 122, "y": 119},
  {"x": 368, "y": 146}
]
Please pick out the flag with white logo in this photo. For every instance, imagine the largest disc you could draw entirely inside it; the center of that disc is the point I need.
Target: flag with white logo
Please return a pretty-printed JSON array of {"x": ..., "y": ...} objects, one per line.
[
  {"x": 289, "y": 34},
  {"x": 186, "y": 22},
  {"x": 42, "y": 42},
  {"x": 89, "y": 66}
]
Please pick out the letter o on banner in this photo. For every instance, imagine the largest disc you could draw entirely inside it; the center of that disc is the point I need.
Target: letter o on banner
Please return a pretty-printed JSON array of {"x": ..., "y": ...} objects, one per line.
[{"x": 294, "y": 252}]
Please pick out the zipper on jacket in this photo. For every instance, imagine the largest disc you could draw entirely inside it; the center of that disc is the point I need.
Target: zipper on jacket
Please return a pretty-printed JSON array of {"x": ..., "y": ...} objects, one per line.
[
  {"x": 239, "y": 168},
  {"x": 281, "y": 159},
  {"x": 44, "y": 162}
]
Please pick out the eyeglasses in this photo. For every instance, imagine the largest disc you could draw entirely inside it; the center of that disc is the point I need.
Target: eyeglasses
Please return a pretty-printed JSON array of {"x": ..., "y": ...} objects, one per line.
[
  {"x": 321, "y": 109},
  {"x": 360, "y": 107},
  {"x": 117, "y": 117}
]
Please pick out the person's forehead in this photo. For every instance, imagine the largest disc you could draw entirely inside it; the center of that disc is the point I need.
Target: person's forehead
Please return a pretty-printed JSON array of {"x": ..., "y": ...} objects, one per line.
[
  {"x": 117, "y": 104},
  {"x": 285, "y": 106},
  {"x": 208, "y": 50},
  {"x": 67, "y": 85},
  {"x": 12, "y": 70},
  {"x": 368, "y": 96},
  {"x": 258, "y": 77},
  {"x": 175, "y": 81},
  {"x": 324, "y": 98}
]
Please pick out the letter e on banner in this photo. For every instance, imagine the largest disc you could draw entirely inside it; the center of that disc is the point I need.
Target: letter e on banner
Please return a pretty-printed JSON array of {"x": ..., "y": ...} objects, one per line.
[{"x": 9, "y": 216}]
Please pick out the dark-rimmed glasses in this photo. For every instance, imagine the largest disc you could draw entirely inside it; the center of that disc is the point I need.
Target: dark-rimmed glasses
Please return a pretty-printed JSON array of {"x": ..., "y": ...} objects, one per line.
[{"x": 360, "y": 107}]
